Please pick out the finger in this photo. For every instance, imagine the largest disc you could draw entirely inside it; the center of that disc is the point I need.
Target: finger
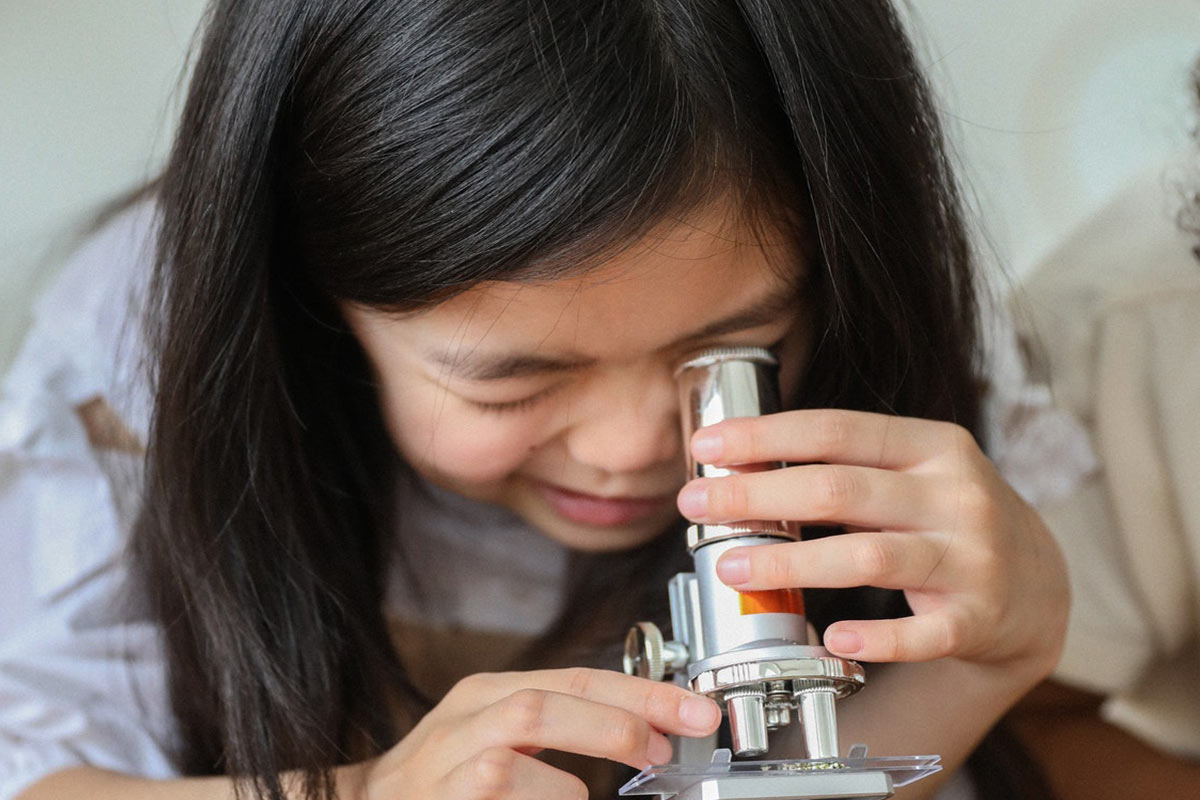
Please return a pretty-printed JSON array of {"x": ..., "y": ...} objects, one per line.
[
  {"x": 833, "y": 435},
  {"x": 499, "y": 773},
  {"x": 888, "y": 560},
  {"x": 926, "y": 637},
  {"x": 829, "y": 493},
  {"x": 538, "y": 720},
  {"x": 668, "y": 708}
]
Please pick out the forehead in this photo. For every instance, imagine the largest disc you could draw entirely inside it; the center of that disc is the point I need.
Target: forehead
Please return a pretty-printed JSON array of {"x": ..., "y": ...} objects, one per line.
[{"x": 685, "y": 273}]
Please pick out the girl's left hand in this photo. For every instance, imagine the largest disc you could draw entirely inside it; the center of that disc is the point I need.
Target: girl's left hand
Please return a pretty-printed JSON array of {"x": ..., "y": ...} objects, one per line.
[{"x": 929, "y": 515}]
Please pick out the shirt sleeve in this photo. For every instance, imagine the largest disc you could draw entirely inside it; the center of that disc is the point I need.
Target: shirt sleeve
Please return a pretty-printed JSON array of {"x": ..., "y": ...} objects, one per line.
[
  {"x": 81, "y": 671},
  {"x": 1040, "y": 449},
  {"x": 81, "y": 683}
]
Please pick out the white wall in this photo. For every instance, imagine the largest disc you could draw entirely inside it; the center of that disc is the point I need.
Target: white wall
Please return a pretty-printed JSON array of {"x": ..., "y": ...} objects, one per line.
[
  {"x": 84, "y": 92},
  {"x": 1053, "y": 104}
]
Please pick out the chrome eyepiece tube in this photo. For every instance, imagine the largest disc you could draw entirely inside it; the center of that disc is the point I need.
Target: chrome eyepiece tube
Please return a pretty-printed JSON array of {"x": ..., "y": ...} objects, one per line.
[
  {"x": 725, "y": 383},
  {"x": 747, "y": 650}
]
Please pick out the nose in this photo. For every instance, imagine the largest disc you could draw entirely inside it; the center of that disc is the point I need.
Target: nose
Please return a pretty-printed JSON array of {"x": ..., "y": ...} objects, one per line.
[{"x": 629, "y": 421}]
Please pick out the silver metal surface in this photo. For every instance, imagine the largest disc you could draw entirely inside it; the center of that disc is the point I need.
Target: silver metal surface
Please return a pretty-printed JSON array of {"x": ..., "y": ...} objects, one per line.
[
  {"x": 764, "y": 664},
  {"x": 683, "y": 592},
  {"x": 706, "y": 534},
  {"x": 747, "y": 722},
  {"x": 817, "y": 715},
  {"x": 643, "y": 652},
  {"x": 778, "y": 716},
  {"x": 724, "y": 383},
  {"x": 779, "y": 704},
  {"x": 724, "y": 626},
  {"x": 647, "y": 655}
]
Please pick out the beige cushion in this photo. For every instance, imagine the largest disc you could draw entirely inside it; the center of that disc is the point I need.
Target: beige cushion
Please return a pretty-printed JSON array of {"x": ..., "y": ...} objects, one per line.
[{"x": 1116, "y": 314}]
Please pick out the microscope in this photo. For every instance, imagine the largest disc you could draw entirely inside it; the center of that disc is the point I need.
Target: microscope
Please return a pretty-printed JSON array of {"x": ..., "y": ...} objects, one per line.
[{"x": 750, "y": 651}]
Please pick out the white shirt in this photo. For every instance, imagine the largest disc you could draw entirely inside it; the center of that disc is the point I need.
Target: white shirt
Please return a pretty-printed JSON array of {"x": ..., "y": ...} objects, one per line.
[
  {"x": 81, "y": 672},
  {"x": 81, "y": 678}
]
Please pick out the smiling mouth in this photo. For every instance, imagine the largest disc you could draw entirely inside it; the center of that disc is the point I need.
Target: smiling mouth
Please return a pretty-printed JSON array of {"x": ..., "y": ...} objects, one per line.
[{"x": 590, "y": 509}]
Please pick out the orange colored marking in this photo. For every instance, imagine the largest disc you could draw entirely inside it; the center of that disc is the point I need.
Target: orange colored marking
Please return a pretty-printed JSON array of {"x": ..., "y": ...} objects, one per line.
[{"x": 774, "y": 601}]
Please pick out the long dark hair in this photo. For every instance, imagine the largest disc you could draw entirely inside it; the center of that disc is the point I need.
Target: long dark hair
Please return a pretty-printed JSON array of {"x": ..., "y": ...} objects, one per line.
[{"x": 393, "y": 152}]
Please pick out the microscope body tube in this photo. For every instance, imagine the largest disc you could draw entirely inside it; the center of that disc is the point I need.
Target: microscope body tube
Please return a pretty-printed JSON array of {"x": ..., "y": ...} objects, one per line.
[
  {"x": 730, "y": 619},
  {"x": 720, "y": 384}
]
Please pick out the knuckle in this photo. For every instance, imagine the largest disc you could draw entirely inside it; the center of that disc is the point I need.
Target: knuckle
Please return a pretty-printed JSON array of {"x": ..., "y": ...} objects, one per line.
[
  {"x": 990, "y": 564},
  {"x": 747, "y": 441},
  {"x": 976, "y": 503},
  {"x": 839, "y": 489},
  {"x": 441, "y": 739},
  {"x": 492, "y": 772},
  {"x": 472, "y": 685},
  {"x": 774, "y": 564},
  {"x": 659, "y": 701},
  {"x": 726, "y": 498},
  {"x": 524, "y": 713},
  {"x": 626, "y": 736},
  {"x": 580, "y": 681},
  {"x": 960, "y": 438},
  {"x": 831, "y": 431},
  {"x": 951, "y": 635},
  {"x": 890, "y": 646},
  {"x": 989, "y": 616},
  {"x": 875, "y": 558}
]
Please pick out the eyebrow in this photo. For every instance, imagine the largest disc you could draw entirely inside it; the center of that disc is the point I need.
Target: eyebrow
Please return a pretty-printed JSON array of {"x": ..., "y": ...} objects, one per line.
[{"x": 495, "y": 367}]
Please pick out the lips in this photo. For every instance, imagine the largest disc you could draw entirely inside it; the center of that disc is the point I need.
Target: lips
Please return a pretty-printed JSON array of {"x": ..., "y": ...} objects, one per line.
[{"x": 590, "y": 509}]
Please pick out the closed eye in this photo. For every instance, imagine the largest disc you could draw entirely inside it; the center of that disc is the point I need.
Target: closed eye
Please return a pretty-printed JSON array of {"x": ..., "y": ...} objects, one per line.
[{"x": 524, "y": 404}]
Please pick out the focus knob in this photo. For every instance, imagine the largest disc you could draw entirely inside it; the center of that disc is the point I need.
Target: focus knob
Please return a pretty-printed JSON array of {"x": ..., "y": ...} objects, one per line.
[{"x": 644, "y": 651}]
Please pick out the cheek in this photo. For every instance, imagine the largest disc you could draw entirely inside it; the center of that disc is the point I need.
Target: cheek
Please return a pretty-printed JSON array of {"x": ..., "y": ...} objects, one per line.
[{"x": 437, "y": 434}]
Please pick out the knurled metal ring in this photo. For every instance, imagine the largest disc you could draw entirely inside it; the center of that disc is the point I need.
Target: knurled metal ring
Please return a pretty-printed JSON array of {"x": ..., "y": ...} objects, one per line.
[
  {"x": 644, "y": 651},
  {"x": 846, "y": 676},
  {"x": 716, "y": 355}
]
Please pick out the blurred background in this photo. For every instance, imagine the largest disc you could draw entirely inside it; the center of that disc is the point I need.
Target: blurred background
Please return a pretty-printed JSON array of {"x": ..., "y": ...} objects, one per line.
[{"x": 1051, "y": 107}]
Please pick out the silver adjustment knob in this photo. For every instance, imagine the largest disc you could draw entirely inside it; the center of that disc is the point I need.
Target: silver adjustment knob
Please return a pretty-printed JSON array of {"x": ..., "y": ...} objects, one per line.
[
  {"x": 648, "y": 656},
  {"x": 644, "y": 651}
]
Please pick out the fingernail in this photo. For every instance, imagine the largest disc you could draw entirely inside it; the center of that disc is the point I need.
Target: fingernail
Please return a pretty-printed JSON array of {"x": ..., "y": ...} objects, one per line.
[
  {"x": 734, "y": 568},
  {"x": 693, "y": 501},
  {"x": 707, "y": 446},
  {"x": 659, "y": 751},
  {"x": 699, "y": 713},
  {"x": 844, "y": 642}
]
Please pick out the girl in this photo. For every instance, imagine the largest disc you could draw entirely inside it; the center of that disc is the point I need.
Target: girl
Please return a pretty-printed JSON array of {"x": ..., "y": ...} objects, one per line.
[{"x": 423, "y": 272}]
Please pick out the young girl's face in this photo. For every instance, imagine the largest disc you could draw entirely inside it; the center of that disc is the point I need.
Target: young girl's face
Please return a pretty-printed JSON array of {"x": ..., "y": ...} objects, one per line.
[{"x": 557, "y": 399}]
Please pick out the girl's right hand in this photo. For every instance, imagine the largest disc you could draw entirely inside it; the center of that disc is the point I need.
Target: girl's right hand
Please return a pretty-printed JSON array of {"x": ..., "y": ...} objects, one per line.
[{"x": 479, "y": 742}]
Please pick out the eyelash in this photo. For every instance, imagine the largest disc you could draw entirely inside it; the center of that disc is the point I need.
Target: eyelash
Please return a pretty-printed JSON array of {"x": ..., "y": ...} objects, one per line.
[{"x": 511, "y": 406}]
